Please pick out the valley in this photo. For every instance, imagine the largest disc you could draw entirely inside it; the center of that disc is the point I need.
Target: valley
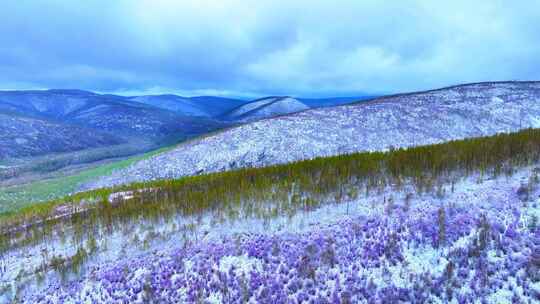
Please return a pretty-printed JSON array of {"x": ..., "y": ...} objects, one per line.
[
  {"x": 47, "y": 134},
  {"x": 46, "y": 131}
]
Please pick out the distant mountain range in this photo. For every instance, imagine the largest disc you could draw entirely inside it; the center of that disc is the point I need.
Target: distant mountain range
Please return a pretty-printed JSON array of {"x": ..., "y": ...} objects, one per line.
[
  {"x": 27, "y": 136},
  {"x": 402, "y": 120},
  {"x": 334, "y": 101},
  {"x": 230, "y": 109},
  {"x": 265, "y": 108},
  {"x": 272, "y": 106},
  {"x": 202, "y": 106},
  {"x": 41, "y": 122}
]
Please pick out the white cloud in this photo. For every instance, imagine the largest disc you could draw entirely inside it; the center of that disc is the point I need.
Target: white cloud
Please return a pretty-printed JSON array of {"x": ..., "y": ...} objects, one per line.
[{"x": 269, "y": 47}]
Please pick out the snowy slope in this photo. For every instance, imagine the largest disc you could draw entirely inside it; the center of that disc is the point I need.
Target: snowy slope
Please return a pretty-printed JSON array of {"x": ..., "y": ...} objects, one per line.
[
  {"x": 173, "y": 103},
  {"x": 334, "y": 101},
  {"x": 216, "y": 106},
  {"x": 265, "y": 108},
  {"x": 22, "y": 136},
  {"x": 472, "y": 196},
  {"x": 109, "y": 113},
  {"x": 394, "y": 121},
  {"x": 203, "y": 106}
]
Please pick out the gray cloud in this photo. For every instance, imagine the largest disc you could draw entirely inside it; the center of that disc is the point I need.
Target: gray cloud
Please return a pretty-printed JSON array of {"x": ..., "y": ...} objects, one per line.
[{"x": 309, "y": 48}]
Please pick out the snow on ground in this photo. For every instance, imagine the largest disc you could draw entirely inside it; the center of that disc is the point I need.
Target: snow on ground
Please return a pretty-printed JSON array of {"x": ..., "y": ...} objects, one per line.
[
  {"x": 278, "y": 106},
  {"x": 265, "y": 108},
  {"x": 397, "y": 121},
  {"x": 140, "y": 240},
  {"x": 243, "y": 109},
  {"x": 174, "y": 103}
]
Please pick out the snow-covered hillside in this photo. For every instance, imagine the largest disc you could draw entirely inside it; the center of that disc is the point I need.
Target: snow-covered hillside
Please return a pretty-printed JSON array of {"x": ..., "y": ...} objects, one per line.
[
  {"x": 395, "y": 121},
  {"x": 26, "y": 136},
  {"x": 383, "y": 245},
  {"x": 71, "y": 120},
  {"x": 173, "y": 103},
  {"x": 202, "y": 106},
  {"x": 265, "y": 108},
  {"x": 110, "y": 113}
]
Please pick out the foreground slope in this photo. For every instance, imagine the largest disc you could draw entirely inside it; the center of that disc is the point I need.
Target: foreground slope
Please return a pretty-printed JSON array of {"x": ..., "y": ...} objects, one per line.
[
  {"x": 395, "y": 121},
  {"x": 348, "y": 229}
]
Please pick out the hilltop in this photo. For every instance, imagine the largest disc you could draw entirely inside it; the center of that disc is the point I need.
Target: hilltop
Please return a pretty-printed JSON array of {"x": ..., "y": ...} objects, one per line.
[
  {"x": 403, "y": 120},
  {"x": 265, "y": 108}
]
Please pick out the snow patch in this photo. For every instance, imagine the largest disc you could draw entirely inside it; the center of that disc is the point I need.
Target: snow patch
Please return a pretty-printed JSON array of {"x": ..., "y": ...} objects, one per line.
[{"x": 242, "y": 264}]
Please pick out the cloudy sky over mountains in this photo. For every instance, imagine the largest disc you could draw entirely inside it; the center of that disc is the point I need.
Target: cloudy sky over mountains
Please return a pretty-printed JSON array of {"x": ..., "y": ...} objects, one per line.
[{"x": 229, "y": 47}]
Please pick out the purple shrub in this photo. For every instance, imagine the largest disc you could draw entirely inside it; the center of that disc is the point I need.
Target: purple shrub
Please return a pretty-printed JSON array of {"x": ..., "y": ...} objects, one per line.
[{"x": 354, "y": 260}]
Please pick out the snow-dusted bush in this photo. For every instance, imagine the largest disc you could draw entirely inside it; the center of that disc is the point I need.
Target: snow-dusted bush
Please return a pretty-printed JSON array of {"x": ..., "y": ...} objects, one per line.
[{"x": 358, "y": 260}]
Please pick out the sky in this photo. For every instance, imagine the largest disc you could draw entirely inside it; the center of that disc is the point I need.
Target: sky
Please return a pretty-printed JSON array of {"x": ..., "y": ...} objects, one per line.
[{"x": 307, "y": 48}]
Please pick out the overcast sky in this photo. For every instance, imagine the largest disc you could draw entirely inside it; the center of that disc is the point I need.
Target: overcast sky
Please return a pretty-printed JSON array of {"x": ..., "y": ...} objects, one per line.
[{"x": 304, "y": 48}]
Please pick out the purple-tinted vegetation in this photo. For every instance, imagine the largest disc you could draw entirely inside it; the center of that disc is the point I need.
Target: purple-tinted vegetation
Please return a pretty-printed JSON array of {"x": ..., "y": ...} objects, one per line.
[{"x": 440, "y": 254}]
